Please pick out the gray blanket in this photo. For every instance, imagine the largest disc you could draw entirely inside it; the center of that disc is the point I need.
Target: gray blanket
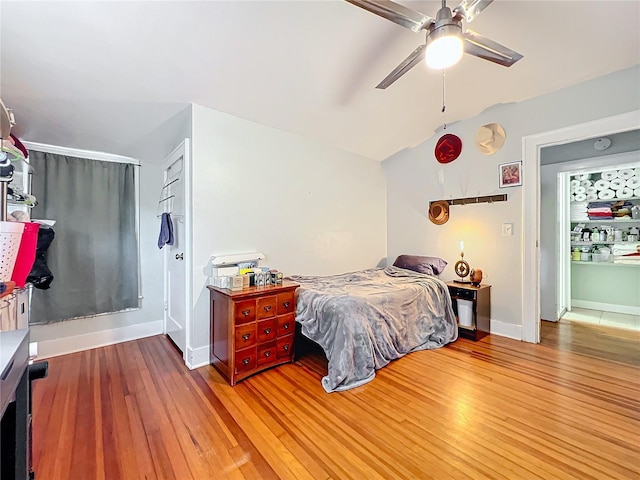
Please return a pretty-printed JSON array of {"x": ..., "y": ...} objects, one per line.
[{"x": 365, "y": 319}]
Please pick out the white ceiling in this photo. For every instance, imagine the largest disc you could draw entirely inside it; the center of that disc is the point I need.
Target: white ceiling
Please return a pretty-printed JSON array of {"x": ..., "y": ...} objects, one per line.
[{"x": 103, "y": 75}]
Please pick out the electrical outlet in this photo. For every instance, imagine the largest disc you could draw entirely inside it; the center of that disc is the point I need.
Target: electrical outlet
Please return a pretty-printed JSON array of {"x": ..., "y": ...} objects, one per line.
[{"x": 507, "y": 229}]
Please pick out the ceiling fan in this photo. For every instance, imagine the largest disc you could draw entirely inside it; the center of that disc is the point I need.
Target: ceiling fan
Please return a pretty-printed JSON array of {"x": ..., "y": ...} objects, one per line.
[{"x": 445, "y": 39}]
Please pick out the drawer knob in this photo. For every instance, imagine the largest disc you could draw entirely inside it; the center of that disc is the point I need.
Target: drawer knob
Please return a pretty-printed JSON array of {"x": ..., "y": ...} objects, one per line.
[
  {"x": 286, "y": 304},
  {"x": 285, "y": 347},
  {"x": 246, "y": 336},
  {"x": 285, "y": 326},
  {"x": 246, "y": 312},
  {"x": 267, "y": 353},
  {"x": 267, "y": 308},
  {"x": 245, "y": 361},
  {"x": 267, "y": 331}
]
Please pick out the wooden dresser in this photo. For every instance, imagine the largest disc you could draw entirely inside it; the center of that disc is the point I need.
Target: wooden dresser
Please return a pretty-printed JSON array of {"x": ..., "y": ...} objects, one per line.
[{"x": 252, "y": 329}]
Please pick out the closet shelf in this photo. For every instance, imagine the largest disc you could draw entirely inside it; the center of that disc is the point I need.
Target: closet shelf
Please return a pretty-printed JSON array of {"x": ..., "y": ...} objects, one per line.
[
  {"x": 615, "y": 220},
  {"x": 609, "y": 200},
  {"x": 588, "y": 244},
  {"x": 605, "y": 264}
]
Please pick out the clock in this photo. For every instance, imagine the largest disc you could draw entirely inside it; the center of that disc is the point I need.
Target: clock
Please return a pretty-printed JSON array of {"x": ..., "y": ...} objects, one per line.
[{"x": 462, "y": 269}]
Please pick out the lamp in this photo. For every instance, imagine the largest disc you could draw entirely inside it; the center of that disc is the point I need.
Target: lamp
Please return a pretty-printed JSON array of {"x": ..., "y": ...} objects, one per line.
[
  {"x": 461, "y": 267},
  {"x": 444, "y": 41}
]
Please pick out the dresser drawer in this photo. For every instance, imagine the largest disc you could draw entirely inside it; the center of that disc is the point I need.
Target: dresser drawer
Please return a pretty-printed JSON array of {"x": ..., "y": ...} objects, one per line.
[
  {"x": 286, "y": 324},
  {"x": 462, "y": 293},
  {"x": 266, "y": 353},
  {"x": 286, "y": 303},
  {"x": 267, "y": 307},
  {"x": 267, "y": 330},
  {"x": 245, "y": 311},
  {"x": 245, "y": 336},
  {"x": 284, "y": 346},
  {"x": 245, "y": 360}
]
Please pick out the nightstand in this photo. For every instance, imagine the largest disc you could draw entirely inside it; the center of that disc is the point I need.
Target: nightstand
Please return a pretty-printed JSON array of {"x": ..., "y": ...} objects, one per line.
[
  {"x": 476, "y": 321},
  {"x": 252, "y": 329}
]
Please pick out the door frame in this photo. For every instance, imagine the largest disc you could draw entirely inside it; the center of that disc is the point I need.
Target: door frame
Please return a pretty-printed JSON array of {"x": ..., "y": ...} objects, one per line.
[
  {"x": 184, "y": 150},
  {"x": 531, "y": 147},
  {"x": 563, "y": 247}
]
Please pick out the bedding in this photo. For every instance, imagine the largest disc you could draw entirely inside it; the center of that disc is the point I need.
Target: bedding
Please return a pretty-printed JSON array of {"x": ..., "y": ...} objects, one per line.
[
  {"x": 365, "y": 319},
  {"x": 421, "y": 264}
]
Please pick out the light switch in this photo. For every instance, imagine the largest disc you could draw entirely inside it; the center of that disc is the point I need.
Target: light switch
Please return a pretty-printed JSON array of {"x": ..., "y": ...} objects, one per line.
[{"x": 507, "y": 229}]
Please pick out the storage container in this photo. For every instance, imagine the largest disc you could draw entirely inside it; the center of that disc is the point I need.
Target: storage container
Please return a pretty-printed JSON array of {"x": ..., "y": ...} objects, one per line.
[
  {"x": 465, "y": 312},
  {"x": 600, "y": 257},
  {"x": 585, "y": 257},
  {"x": 10, "y": 237},
  {"x": 26, "y": 254}
]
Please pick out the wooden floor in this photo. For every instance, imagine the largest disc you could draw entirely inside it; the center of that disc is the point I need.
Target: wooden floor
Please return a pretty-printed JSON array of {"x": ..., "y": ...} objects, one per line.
[{"x": 495, "y": 409}]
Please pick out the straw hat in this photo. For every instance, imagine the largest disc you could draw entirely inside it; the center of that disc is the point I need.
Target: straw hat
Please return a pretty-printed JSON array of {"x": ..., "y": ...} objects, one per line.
[
  {"x": 6, "y": 121},
  {"x": 490, "y": 138},
  {"x": 439, "y": 212}
]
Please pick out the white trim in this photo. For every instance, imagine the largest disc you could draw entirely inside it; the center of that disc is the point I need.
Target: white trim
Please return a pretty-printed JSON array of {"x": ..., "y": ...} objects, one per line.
[
  {"x": 504, "y": 329},
  {"x": 606, "y": 307},
  {"x": 531, "y": 146},
  {"x": 188, "y": 215},
  {"x": 74, "y": 152},
  {"x": 184, "y": 150},
  {"x": 87, "y": 341},
  {"x": 562, "y": 239},
  {"x": 136, "y": 181},
  {"x": 198, "y": 357}
]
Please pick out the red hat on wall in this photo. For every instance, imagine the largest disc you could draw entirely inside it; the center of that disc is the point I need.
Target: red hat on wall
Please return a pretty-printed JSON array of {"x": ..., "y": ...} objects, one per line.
[{"x": 448, "y": 148}]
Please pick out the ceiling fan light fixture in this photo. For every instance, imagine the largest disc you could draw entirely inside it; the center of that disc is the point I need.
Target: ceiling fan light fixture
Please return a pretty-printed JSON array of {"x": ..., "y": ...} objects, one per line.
[{"x": 444, "y": 46}]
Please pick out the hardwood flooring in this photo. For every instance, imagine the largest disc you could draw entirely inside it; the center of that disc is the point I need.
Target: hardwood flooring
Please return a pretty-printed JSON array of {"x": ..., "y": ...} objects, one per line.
[{"x": 495, "y": 409}]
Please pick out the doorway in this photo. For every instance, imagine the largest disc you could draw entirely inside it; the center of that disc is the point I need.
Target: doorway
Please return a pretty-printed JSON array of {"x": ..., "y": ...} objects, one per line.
[
  {"x": 532, "y": 146},
  {"x": 582, "y": 276}
]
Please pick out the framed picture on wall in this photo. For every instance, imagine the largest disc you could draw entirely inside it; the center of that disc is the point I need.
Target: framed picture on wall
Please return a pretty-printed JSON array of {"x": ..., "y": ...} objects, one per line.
[{"x": 510, "y": 174}]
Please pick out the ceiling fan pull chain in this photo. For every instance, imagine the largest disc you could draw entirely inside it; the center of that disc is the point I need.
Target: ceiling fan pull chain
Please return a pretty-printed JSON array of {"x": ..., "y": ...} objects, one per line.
[{"x": 444, "y": 107}]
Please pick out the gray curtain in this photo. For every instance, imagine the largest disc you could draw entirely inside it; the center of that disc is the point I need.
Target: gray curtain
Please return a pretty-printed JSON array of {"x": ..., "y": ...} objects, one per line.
[{"x": 94, "y": 255}]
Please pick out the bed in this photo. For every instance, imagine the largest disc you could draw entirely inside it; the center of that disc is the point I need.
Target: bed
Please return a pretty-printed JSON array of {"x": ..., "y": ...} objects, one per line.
[{"x": 363, "y": 320}]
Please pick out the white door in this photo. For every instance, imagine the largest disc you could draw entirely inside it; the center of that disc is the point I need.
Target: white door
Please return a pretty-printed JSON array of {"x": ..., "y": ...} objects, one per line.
[{"x": 173, "y": 202}]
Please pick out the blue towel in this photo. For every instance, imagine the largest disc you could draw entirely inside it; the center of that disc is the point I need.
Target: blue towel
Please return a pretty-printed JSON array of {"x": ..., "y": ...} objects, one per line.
[{"x": 166, "y": 231}]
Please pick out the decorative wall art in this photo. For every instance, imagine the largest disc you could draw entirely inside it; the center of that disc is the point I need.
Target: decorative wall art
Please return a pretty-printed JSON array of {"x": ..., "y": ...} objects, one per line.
[{"x": 510, "y": 174}]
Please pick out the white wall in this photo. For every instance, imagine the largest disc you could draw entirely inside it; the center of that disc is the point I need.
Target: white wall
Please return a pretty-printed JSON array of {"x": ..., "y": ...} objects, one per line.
[
  {"x": 310, "y": 208},
  {"x": 414, "y": 178}
]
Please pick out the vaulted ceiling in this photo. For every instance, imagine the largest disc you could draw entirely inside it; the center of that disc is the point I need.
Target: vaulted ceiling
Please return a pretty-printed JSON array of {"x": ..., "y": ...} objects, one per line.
[{"x": 102, "y": 75}]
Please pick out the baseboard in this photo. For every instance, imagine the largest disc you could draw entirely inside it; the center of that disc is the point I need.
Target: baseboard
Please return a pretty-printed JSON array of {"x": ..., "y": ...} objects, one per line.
[
  {"x": 504, "y": 329},
  {"x": 606, "y": 307},
  {"x": 87, "y": 341},
  {"x": 197, "y": 357}
]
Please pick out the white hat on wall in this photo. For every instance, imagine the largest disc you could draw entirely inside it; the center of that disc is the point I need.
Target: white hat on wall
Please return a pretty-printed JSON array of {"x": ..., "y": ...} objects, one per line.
[{"x": 490, "y": 138}]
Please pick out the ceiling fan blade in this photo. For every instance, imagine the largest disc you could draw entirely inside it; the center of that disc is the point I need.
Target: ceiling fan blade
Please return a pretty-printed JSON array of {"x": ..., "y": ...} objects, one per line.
[
  {"x": 395, "y": 12},
  {"x": 470, "y": 9},
  {"x": 407, "y": 64},
  {"x": 482, "y": 47}
]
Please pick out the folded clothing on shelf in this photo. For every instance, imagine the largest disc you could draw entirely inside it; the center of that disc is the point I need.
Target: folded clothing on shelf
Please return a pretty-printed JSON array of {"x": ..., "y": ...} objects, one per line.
[{"x": 600, "y": 211}]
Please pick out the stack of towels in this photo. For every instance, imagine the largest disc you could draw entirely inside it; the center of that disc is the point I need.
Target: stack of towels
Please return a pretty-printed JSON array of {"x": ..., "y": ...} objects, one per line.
[
  {"x": 628, "y": 253},
  {"x": 621, "y": 209},
  {"x": 578, "y": 211},
  {"x": 599, "y": 211}
]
